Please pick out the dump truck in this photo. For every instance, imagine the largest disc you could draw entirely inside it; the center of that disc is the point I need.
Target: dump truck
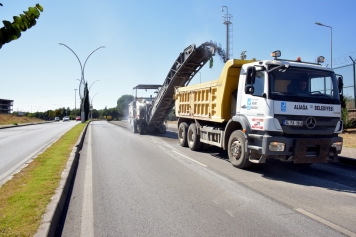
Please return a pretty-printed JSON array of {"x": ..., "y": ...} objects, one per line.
[{"x": 257, "y": 111}]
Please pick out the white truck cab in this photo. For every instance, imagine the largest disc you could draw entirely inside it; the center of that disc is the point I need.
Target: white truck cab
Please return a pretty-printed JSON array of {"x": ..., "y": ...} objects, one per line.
[{"x": 290, "y": 110}]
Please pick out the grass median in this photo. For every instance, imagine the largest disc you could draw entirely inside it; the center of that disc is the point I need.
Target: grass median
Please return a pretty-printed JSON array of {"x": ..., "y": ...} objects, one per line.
[{"x": 24, "y": 198}]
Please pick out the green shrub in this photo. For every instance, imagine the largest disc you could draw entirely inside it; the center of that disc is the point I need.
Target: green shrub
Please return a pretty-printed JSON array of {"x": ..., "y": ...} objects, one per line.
[{"x": 345, "y": 118}]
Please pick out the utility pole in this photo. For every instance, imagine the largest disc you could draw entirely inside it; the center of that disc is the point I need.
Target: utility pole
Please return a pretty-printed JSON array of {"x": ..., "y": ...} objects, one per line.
[
  {"x": 227, "y": 21},
  {"x": 354, "y": 71}
]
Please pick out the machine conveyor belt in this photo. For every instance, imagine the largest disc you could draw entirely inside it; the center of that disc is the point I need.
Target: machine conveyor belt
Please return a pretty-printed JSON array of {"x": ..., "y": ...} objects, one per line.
[{"x": 188, "y": 63}]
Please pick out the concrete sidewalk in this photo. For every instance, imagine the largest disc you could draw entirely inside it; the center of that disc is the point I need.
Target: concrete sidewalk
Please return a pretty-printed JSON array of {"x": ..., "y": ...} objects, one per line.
[{"x": 348, "y": 153}]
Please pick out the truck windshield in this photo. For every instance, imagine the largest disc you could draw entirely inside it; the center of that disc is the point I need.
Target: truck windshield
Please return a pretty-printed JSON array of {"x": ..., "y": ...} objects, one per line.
[{"x": 304, "y": 84}]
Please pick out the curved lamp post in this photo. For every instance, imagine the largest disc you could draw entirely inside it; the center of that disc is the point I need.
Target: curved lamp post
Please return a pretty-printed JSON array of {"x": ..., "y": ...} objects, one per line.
[
  {"x": 75, "y": 102},
  {"x": 82, "y": 79},
  {"x": 92, "y": 84},
  {"x": 331, "y": 42},
  {"x": 91, "y": 104}
]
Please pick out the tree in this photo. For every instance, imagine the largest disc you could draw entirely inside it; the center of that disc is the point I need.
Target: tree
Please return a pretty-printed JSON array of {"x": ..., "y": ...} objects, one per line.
[
  {"x": 12, "y": 31},
  {"x": 113, "y": 113},
  {"x": 95, "y": 114},
  {"x": 104, "y": 112},
  {"x": 86, "y": 102},
  {"x": 68, "y": 111},
  {"x": 348, "y": 122},
  {"x": 123, "y": 105}
]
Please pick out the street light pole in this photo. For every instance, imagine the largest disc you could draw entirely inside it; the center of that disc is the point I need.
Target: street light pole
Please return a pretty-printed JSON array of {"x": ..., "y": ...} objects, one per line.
[
  {"x": 91, "y": 105},
  {"x": 82, "y": 80},
  {"x": 75, "y": 102},
  {"x": 331, "y": 42},
  {"x": 92, "y": 84},
  {"x": 92, "y": 99}
]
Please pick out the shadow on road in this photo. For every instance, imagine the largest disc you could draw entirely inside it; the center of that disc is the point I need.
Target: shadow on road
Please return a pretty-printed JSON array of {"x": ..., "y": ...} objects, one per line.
[{"x": 339, "y": 176}]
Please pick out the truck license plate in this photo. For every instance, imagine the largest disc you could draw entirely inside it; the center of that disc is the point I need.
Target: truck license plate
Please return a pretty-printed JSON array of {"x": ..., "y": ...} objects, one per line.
[{"x": 292, "y": 123}]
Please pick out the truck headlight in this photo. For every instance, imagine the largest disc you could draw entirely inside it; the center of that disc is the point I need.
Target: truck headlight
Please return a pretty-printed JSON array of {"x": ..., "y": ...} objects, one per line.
[
  {"x": 337, "y": 145},
  {"x": 276, "y": 146}
]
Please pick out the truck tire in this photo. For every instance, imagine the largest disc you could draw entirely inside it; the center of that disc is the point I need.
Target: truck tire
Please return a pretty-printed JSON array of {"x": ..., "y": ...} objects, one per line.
[
  {"x": 134, "y": 127},
  {"x": 236, "y": 151},
  {"x": 163, "y": 129},
  {"x": 193, "y": 138},
  {"x": 141, "y": 130},
  {"x": 182, "y": 134}
]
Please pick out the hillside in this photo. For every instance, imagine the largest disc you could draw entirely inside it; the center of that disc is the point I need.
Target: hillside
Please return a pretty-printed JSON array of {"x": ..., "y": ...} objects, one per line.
[{"x": 6, "y": 119}]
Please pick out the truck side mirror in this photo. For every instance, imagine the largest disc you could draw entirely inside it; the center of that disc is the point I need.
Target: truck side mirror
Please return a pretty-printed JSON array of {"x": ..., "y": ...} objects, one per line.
[
  {"x": 249, "y": 89},
  {"x": 250, "y": 75},
  {"x": 340, "y": 84}
]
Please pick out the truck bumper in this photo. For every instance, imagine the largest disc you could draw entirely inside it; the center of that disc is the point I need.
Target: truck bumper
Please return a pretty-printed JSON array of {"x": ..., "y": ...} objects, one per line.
[{"x": 299, "y": 150}]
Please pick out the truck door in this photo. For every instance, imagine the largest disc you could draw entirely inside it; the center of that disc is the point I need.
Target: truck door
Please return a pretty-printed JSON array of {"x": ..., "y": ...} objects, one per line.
[{"x": 252, "y": 105}]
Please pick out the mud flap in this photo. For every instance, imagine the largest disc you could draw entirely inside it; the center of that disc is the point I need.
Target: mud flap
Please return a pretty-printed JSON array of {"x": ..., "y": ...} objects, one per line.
[{"x": 320, "y": 146}]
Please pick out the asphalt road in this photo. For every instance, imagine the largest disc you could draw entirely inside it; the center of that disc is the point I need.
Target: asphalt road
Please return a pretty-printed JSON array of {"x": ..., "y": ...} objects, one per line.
[
  {"x": 18, "y": 145},
  {"x": 144, "y": 185}
]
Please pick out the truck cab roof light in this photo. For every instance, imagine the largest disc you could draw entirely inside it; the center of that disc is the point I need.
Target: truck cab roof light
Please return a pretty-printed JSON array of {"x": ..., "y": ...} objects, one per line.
[
  {"x": 320, "y": 59},
  {"x": 276, "y": 54},
  {"x": 298, "y": 59}
]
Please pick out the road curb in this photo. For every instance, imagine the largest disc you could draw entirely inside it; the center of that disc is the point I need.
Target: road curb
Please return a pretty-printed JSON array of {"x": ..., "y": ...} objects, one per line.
[
  {"x": 23, "y": 124},
  {"x": 52, "y": 216}
]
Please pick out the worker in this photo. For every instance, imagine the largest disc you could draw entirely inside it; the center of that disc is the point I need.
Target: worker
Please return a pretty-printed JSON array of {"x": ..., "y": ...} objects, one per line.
[{"x": 303, "y": 87}]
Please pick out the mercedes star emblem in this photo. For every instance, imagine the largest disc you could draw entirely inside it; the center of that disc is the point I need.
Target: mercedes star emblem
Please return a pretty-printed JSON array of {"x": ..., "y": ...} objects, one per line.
[{"x": 311, "y": 122}]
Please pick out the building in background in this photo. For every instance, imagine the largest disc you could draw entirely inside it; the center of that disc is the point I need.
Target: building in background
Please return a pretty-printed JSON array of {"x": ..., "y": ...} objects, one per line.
[{"x": 6, "y": 106}]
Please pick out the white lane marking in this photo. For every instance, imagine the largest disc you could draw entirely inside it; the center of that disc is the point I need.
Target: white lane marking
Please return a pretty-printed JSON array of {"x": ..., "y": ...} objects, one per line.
[
  {"x": 188, "y": 158},
  {"x": 87, "y": 223},
  {"x": 230, "y": 213},
  {"x": 325, "y": 222}
]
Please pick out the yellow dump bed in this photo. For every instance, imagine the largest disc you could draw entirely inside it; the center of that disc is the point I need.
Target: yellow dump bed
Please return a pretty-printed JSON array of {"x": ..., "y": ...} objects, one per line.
[{"x": 211, "y": 101}]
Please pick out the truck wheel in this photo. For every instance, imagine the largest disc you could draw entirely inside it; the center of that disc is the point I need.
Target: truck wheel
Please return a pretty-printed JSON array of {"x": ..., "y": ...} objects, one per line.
[
  {"x": 236, "y": 151},
  {"x": 193, "y": 138},
  {"x": 141, "y": 130},
  {"x": 163, "y": 129},
  {"x": 182, "y": 134},
  {"x": 134, "y": 127}
]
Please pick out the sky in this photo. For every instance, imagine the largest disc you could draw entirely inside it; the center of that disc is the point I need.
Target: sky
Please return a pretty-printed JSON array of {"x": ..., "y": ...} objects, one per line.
[{"x": 142, "y": 39}]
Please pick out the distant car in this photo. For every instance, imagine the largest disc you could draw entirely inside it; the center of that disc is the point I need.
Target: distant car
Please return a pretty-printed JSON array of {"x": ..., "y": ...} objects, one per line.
[
  {"x": 65, "y": 118},
  {"x": 78, "y": 118},
  {"x": 56, "y": 119}
]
